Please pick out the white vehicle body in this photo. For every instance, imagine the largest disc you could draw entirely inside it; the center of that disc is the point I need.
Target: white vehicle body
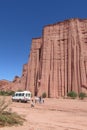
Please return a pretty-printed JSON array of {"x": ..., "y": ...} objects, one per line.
[{"x": 23, "y": 96}]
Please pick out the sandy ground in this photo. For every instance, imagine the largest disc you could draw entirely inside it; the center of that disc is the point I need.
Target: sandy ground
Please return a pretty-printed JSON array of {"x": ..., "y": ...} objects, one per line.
[{"x": 54, "y": 114}]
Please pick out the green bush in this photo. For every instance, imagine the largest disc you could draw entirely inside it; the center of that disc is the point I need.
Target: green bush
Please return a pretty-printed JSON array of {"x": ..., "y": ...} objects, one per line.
[
  {"x": 72, "y": 94},
  {"x": 44, "y": 95},
  {"x": 2, "y": 93},
  {"x": 6, "y": 93},
  {"x": 82, "y": 95}
]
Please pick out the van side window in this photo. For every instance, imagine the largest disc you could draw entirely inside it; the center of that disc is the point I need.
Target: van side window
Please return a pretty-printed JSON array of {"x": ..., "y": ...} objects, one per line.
[
  {"x": 19, "y": 94},
  {"x": 22, "y": 94},
  {"x": 16, "y": 94}
]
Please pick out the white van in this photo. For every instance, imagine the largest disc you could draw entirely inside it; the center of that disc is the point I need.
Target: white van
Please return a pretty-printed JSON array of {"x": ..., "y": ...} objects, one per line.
[{"x": 23, "y": 96}]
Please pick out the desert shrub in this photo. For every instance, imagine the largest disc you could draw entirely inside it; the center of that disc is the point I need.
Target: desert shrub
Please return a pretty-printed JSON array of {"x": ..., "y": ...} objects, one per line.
[
  {"x": 82, "y": 95},
  {"x": 44, "y": 95},
  {"x": 2, "y": 93},
  {"x": 7, "y": 118},
  {"x": 4, "y": 104},
  {"x": 6, "y": 93},
  {"x": 72, "y": 94},
  {"x": 10, "y": 93},
  {"x": 10, "y": 119}
]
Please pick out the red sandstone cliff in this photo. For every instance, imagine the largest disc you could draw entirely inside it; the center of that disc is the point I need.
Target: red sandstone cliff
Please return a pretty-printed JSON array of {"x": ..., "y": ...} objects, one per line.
[
  {"x": 58, "y": 60},
  {"x": 18, "y": 83},
  {"x": 34, "y": 65}
]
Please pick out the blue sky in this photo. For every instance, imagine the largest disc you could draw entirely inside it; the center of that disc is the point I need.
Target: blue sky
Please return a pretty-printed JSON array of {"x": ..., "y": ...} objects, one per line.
[{"x": 22, "y": 20}]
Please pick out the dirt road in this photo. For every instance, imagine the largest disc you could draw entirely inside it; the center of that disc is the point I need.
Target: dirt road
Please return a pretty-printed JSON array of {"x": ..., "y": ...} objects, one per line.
[{"x": 54, "y": 114}]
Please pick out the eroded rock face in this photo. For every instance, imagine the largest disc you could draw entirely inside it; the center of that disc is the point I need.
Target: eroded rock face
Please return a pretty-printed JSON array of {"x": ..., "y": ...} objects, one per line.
[
  {"x": 18, "y": 83},
  {"x": 58, "y": 61},
  {"x": 34, "y": 65},
  {"x": 4, "y": 83}
]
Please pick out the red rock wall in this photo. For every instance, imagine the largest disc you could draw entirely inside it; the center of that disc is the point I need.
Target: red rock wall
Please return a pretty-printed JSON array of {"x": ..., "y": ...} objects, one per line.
[
  {"x": 33, "y": 65},
  {"x": 18, "y": 83},
  {"x": 58, "y": 62}
]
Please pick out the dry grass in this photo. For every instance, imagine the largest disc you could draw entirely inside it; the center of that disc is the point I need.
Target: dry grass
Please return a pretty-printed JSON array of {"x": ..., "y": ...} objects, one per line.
[{"x": 8, "y": 118}]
